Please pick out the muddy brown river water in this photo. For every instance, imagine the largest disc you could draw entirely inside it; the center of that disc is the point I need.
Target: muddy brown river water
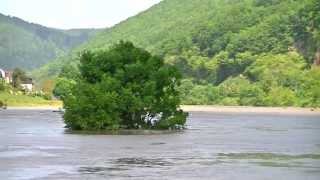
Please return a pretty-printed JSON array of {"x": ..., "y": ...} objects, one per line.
[{"x": 34, "y": 145}]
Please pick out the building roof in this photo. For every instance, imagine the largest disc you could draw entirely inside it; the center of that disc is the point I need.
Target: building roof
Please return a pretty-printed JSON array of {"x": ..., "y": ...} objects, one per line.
[{"x": 27, "y": 81}]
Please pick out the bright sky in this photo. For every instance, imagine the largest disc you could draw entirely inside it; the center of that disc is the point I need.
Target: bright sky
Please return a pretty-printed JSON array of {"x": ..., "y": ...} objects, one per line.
[{"x": 68, "y": 14}]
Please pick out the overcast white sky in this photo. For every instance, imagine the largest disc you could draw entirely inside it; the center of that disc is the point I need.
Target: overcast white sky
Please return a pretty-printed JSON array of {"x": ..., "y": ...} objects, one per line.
[{"x": 68, "y": 14}]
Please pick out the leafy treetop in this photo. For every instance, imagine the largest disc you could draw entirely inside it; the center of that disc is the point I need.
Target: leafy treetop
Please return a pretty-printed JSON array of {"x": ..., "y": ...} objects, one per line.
[{"x": 124, "y": 87}]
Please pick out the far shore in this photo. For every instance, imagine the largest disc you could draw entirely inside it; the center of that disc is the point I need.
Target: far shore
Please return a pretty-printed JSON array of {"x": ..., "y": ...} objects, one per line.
[
  {"x": 213, "y": 109},
  {"x": 53, "y": 108},
  {"x": 250, "y": 109}
]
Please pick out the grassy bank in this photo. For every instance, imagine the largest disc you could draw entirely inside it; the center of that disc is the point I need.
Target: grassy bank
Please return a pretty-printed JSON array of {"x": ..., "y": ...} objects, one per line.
[{"x": 24, "y": 100}]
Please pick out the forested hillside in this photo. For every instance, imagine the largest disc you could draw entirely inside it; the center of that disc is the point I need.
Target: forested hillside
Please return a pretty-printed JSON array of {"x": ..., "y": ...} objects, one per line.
[
  {"x": 27, "y": 45},
  {"x": 231, "y": 52}
]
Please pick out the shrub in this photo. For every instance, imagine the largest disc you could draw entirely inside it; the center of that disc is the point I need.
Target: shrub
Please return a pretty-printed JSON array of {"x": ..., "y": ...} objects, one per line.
[
  {"x": 280, "y": 96},
  {"x": 2, "y": 85},
  {"x": 228, "y": 101},
  {"x": 310, "y": 91},
  {"x": 63, "y": 87},
  {"x": 124, "y": 87}
]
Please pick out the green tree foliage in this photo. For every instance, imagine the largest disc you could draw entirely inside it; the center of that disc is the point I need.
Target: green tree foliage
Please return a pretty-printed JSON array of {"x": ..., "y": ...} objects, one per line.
[
  {"x": 280, "y": 96},
  {"x": 69, "y": 71},
  {"x": 307, "y": 29},
  {"x": 2, "y": 85},
  {"x": 257, "y": 47},
  {"x": 18, "y": 76},
  {"x": 63, "y": 87},
  {"x": 207, "y": 27},
  {"x": 278, "y": 70},
  {"x": 240, "y": 91},
  {"x": 66, "y": 80},
  {"x": 227, "y": 67},
  {"x": 194, "y": 94},
  {"x": 310, "y": 93},
  {"x": 285, "y": 80},
  {"x": 124, "y": 87}
]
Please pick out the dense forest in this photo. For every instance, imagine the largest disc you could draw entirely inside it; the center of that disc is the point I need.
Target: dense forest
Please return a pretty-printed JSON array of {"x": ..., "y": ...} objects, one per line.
[
  {"x": 231, "y": 52},
  {"x": 29, "y": 46}
]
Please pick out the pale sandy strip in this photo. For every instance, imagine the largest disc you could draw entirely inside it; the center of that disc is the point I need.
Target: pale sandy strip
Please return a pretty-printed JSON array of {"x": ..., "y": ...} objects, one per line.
[
  {"x": 53, "y": 108},
  {"x": 246, "y": 109},
  {"x": 217, "y": 109}
]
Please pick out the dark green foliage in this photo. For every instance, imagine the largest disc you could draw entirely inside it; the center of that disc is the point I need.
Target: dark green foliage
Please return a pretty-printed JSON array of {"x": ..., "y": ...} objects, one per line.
[
  {"x": 266, "y": 2},
  {"x": 30, "y": 46},
  {"x": 2, "y": 104},
  {"x": 69, "y": 71},
  {"x": 310, "y": 90},
  {"x": 194, "y": 94},
  {"x": 123, "y": 87},
  {"x": 227, "y": 67},
  {"x": 18, "y": 76},
  {"x": 66, "y": 80},
  {"x": 281, "y": 96},
  {"x": 277, "y": 70},
  {"x": 2, "y": 85},
  {"x": 306, "y": 29},
  {"x": 63, "y": 88}
]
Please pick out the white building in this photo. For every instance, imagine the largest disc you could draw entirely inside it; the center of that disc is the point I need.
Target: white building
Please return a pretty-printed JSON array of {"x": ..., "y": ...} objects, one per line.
[
  {"x": 6, "y": 75},
  {"x": 27, "y": 84},
  {"x": 2, "y": 74}
]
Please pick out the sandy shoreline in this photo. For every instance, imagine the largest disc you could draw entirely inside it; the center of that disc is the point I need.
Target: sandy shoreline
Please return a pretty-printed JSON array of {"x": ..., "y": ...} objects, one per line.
[
  {"x": 215, "y": 109},
  {"x": 53, "y": 108},
  {"x": 248, "y": 109}
]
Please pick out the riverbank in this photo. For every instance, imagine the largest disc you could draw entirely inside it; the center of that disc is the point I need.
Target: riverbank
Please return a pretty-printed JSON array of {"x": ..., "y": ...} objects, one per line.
[
  {"x": 28, "y": 101},
  {"x": 249, "y": 109},
  {"x": 53, "y": 108},
  {"x": 203, "y": 108}
]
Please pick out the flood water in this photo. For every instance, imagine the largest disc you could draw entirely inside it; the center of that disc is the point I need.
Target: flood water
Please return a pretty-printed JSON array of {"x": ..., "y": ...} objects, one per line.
[{"x": 34, "y": 145}]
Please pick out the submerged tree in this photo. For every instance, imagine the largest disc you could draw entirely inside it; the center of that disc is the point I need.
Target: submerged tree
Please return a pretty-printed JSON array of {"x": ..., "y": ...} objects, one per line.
[{"x": 124, "y": 87}]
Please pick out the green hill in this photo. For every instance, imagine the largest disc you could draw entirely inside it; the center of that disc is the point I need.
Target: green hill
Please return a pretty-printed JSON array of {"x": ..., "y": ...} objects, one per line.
[
  {"x": 231, "y": 52},
  {"x": 29, "y": 46}
]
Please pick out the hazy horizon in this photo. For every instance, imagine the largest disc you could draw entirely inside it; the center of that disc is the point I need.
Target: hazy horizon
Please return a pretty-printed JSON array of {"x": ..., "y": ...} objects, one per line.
[{"x": 74, "y": 14}]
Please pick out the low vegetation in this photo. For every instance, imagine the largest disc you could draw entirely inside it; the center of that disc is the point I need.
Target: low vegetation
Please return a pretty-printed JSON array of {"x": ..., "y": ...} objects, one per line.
[
  {"x": 271, "y": 80},
  {"x": 23, "y": 100}
]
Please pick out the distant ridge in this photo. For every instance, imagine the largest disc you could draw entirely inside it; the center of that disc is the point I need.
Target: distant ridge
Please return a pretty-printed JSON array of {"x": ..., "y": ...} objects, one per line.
[
  {"x": 29, "y": 45},
  {"x": 202, "y": 29},
  {"x": 230, "y": 52}
]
